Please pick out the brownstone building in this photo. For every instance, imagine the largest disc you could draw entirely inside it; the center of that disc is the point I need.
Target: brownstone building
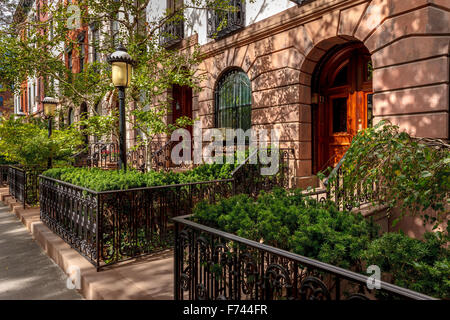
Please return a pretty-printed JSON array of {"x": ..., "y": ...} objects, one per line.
[{"x": 321, "y": 70}]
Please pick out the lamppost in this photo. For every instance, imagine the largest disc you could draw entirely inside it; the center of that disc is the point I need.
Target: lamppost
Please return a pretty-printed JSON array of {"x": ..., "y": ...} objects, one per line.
[
  {"x": 49, "y": 112},
  {"x": 121, "y": 69}
]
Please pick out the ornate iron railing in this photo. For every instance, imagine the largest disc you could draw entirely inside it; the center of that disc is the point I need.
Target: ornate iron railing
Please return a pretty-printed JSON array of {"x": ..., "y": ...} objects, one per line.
[
  {"x": 99, "y": 155},
  {"x": 223, "y": 22},
  {"x": 214, "y": 265},
  {"x": 171, "y": 33},
  {"x": 113, "y": 226},
  {"x": 357, "y": 196},
  {"x": 24, "y": 184},
  {"x": 161, "y": 158},
  {"x": 137, "y": 158},
  {"x": 251, "y": 179}
]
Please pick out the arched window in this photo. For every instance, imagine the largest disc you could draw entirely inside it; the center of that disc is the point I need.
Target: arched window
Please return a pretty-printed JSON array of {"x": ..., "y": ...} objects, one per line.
[
  {"x": 70, "y": 117},
  {"x": 233, "y": 101}
]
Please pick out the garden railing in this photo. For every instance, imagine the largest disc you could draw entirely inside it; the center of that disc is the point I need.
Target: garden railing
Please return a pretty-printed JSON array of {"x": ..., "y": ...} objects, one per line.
[
  {"x": 112, "y": 226},
  {"x": 24, "y": 184},
  {"x": 4, "y": 175},
  {"x": 214, "y": 265}
]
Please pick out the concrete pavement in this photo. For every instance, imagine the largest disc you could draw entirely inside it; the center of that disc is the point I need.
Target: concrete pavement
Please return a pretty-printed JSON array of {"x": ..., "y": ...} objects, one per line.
[{"x": 26, "y": 272}]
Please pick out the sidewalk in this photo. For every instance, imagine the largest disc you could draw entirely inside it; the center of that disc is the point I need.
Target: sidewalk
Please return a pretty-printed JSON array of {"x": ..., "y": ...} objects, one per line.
[
  {"x": 26, "y": 272},
  {"x": 147, "y": 278}
]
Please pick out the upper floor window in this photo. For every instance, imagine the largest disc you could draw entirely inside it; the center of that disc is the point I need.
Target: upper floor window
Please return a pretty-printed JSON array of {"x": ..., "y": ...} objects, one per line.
[
  {"x": 233, "y": 101},
  {"x": 223, "y": 22},
  {"x": 172, "y": 32},
  {"x": 1, "y": 101},
  {"x": 70, "y": 117},
  {"x": 114, "y": 26},
  {"x": 69, "y": 59},
  {"x": 82, "y": 50}
]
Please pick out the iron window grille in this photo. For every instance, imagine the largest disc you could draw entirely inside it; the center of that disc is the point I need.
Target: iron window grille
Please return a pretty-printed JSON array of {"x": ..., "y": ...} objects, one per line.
[
  {"x": 222, "y": 23},
  {"x": 171, "y": 33},
  {"x": 233, "y": 101}
]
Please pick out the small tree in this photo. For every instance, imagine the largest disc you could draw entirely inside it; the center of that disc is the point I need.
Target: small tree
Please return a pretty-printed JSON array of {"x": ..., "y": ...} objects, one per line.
[
  {"x": 33, "y": 48},
  {"x": 25, "y": 141}
]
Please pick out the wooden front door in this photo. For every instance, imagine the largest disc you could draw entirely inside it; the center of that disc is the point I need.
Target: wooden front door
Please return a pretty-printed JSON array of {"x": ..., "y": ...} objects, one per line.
[
  {"x": 344, "y": 95},
  {"x": 181, "y": 103}
]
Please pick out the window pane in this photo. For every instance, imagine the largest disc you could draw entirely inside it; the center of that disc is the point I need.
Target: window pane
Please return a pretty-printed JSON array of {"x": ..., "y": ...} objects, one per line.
[
  {"x": 340, "y": 115},
  {"x": 233, "y": 101}
]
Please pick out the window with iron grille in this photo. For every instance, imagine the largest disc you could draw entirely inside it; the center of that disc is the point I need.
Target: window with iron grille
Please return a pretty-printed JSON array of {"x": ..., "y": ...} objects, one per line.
[
  {"x": 172, "y": 31},
  {"x": 233, "y": 101},
  {"x": 223, "y": 22}
]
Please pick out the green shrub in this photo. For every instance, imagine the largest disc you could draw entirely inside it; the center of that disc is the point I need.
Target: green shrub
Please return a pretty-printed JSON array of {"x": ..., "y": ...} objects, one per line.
[
  {"x": 320, "y": 231},
  {"x": 106, "y": 180}
]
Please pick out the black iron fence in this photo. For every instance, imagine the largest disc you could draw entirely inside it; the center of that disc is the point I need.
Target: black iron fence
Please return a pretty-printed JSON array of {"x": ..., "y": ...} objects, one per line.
[
  {"x": 171, "y": 32},
  {"x": 113, "y": 226},
  {"x": 214, "y": 265},
  {"x": 24, "y": 184},
  {"x": 4, "y": 175},
  {"x": 348, "y": 198}
]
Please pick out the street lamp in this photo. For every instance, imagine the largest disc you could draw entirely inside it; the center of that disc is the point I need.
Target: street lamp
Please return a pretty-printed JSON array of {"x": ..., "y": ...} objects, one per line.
[
  {"x": 121, "y": 69},
  {"x": 49, "y": 112}
]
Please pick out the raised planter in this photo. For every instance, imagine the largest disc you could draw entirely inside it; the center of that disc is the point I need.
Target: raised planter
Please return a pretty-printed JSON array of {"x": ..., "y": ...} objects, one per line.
[
  {"x": 214, "y": 265},
  {"x": 113, "y": 226}
]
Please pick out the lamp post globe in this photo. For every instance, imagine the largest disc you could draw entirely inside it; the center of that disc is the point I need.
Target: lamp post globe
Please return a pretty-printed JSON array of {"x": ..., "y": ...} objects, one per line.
[
  {"x": 121, "y": 73},
  {"x": 49, "y": 112},
  {"x": 49, "y": 106}
]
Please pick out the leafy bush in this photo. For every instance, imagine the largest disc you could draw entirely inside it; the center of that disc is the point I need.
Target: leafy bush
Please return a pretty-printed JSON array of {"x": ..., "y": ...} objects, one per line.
[
  {"x": 423, "y": 266},
  {"x": 415, "y": 171},
  {"x": 26, "y": 141},
  {"x": 295, "y": 223},
  {"x": 105, "y": 180}
]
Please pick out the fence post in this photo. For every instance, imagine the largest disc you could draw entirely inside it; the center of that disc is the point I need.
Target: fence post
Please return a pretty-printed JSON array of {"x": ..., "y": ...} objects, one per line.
[
  {"x": 176, "y": 266},
  {"x": 97, "y": 235}
]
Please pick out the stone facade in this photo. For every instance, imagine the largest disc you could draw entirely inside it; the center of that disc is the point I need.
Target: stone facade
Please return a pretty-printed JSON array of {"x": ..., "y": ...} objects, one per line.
[{"x": 409, "y": 46}]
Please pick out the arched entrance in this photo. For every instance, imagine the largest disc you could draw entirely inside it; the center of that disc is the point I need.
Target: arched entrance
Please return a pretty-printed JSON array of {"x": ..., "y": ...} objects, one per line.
[{"x": 342, "y": 94}]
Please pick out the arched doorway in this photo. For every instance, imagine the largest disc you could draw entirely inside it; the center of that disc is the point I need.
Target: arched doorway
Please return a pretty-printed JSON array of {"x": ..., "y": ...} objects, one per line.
[{"x": 342, "y": 94}]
